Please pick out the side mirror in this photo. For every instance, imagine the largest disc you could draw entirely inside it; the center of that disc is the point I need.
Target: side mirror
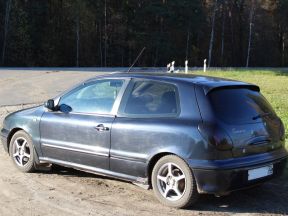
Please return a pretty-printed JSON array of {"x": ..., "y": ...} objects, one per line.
[
  {"x": 50, "y": 105},
  {"x": 65, "y": 108}
]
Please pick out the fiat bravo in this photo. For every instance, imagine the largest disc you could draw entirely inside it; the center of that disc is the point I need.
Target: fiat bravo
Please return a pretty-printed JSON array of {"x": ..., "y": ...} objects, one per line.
[{"x": 181, "y": 135}]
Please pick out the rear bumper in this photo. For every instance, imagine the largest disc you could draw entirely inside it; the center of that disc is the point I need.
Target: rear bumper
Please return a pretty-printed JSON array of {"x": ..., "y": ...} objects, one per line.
[
  {"x": 3, "y": 138},
  {"x": 222, "y": 177}
]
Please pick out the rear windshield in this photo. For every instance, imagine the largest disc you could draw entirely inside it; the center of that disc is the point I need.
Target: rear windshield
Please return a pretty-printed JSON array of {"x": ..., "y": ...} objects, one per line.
[{"x": 239, "y": 106}]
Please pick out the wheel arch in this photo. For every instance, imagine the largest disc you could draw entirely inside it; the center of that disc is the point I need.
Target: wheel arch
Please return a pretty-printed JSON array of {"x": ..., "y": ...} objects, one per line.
[
  {"x": 11, "y": 134},
  {"x": 153, "y": 160}
]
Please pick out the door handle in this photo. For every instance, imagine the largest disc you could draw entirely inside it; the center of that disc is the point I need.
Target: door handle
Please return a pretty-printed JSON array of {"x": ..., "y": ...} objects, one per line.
[{"x": 101, "y": 127}]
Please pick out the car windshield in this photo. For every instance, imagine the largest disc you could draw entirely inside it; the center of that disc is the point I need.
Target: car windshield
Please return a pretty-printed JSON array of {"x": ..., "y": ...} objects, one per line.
[{"x": 239, "y": 106}]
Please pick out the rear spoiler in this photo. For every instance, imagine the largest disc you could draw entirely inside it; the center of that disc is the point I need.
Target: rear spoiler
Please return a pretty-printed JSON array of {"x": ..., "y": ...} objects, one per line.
[{"x": 210, "y": 88}]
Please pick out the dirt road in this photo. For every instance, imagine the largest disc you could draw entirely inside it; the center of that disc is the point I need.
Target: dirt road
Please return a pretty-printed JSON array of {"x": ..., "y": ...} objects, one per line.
[{"x": 64, "y": 191}]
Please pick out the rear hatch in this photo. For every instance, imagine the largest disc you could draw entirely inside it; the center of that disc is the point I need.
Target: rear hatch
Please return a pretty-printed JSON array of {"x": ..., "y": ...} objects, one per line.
[{"x": 248, "y": 119}]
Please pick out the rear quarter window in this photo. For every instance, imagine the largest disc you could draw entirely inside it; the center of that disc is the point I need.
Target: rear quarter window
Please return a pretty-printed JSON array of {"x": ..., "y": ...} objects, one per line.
[
  {"x": 238, "y": 106},
  {"x": 151, "y": 98}
]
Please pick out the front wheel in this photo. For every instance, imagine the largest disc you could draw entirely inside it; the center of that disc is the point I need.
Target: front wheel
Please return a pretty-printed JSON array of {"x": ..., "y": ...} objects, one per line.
[
  {"x": 22, "y": 152},
  {"x": 173, "y": 182}
]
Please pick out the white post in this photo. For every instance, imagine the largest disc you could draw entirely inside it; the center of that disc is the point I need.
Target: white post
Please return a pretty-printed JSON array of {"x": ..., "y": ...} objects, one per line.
[
  {"x": 186, "y": 67},
  {"x": 172, "y": 67},
  {"x": 168, "y": 68},
  {"x": 205, "y": 66}
]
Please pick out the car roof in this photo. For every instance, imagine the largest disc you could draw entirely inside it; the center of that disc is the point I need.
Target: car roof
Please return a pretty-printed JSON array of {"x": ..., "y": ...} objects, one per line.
[{"x": 208, "y": 83}]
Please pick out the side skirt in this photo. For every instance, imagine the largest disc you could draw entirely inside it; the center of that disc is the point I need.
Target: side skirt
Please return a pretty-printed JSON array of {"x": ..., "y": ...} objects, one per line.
[{"x": 141, "y": 182}]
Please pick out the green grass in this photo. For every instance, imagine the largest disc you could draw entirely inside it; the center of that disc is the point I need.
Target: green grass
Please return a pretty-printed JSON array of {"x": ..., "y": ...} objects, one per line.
[{"x": 273, "y": 85}]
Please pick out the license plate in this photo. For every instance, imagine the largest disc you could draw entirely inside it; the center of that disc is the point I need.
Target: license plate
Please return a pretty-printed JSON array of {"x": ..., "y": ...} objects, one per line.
[{"x": 260, "y": 172}]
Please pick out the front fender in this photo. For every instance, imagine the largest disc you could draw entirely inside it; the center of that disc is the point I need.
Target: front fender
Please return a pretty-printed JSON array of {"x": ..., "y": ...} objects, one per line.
[{"x": 27, "y": 120}]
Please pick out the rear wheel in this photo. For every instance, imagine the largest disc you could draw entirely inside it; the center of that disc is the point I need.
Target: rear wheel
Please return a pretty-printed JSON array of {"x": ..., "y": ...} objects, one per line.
[
  {"x": 22, "y": 152},
  {"x": 173, "y": 182}
]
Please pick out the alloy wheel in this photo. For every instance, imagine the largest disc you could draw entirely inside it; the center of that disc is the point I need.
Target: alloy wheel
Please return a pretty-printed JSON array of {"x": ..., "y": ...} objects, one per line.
[
  {"x": 171, "y": 181},
  {"x": 21, "y": 151}
]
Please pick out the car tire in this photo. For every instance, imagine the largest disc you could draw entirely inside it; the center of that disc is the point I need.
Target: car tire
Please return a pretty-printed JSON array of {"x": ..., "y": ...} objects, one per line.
[
  {"x": 173, "y": 182},
  {"x": 22, "y": 152}
]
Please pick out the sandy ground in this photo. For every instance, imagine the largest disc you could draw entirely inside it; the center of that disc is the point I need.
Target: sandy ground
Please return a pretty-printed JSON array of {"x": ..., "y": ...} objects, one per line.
[{"x": 64, "y": 191}]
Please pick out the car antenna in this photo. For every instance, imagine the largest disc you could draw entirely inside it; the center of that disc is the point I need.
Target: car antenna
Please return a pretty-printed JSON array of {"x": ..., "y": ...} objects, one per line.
[{"x": 136, "y": 59}]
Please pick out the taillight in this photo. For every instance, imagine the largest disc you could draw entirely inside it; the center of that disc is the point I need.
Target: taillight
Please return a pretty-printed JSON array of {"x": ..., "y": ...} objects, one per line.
[{"x": 216, "y": 136}]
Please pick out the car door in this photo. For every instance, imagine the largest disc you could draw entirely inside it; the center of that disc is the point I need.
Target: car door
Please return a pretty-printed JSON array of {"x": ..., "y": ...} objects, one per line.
[
  {"x": 147, "y": 114},
  {"x": 82, "y": 136}
]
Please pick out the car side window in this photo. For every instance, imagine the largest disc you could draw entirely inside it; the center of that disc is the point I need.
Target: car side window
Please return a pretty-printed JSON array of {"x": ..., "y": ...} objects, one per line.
[
  {"x": 152, "y": 98},
  {"x": 98, "y": 97}
]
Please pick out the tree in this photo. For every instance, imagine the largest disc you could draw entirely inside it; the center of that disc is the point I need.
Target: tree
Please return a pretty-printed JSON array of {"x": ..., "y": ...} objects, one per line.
[
  {"x": 281, "y": 17},
  {"x": 212, "y": 33},
  {"x": 18, "y": 48},
  {"x": 251, "y": 16},
  {"x": 6, "y": 28}
]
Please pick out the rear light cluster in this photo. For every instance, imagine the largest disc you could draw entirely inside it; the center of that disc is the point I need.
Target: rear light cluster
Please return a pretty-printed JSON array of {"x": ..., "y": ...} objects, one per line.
[{"x": 216, "y": 136}]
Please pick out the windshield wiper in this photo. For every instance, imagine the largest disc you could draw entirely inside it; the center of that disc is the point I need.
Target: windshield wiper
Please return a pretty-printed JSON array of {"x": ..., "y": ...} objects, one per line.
[{"x": 261, "y": 115}]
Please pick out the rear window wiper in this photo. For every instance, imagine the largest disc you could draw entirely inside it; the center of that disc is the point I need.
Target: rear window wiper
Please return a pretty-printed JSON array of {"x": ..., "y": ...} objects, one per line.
[{"x": 262, "y": 115}]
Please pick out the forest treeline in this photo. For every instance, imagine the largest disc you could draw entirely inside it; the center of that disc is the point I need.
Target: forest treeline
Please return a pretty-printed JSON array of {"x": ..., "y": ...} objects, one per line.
[{"x": 228, "y": 33}]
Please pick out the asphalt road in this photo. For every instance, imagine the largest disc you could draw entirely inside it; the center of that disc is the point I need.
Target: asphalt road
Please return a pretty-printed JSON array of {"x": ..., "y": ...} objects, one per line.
[{"x": 29, "y": 86}]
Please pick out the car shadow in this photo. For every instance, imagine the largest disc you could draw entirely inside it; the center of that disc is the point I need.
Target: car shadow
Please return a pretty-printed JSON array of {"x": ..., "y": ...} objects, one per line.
[
  {"x": 269, "y": 198},
  {"x": 71, "y": 172}
]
